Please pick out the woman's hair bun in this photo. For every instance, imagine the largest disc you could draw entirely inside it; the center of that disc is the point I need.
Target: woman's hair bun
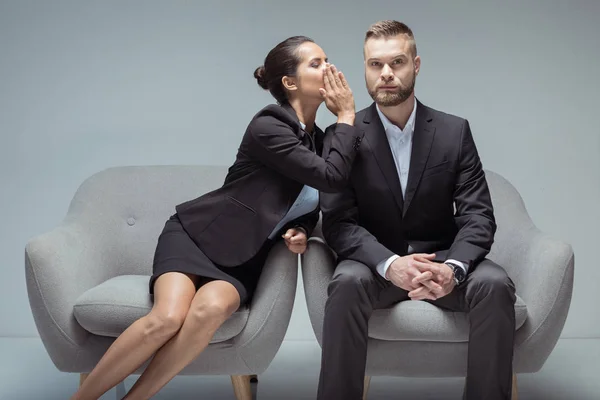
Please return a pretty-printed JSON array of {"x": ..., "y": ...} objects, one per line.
[{"x": 259, "y": 74}]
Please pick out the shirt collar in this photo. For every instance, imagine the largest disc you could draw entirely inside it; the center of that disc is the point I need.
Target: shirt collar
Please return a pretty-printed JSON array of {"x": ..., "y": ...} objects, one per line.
[{"x": 410, "y": 124}]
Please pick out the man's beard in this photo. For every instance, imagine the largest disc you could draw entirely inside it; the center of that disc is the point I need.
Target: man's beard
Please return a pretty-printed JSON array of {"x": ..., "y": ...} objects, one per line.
[{"x": 387, "y": 98}]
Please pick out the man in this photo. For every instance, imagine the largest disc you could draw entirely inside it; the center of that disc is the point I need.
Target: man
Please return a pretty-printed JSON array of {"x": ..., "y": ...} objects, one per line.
[{"x": 415, "y": 223}]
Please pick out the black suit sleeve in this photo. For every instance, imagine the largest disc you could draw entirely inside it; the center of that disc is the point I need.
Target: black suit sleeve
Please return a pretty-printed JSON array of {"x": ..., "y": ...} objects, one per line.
[
  {"x": 343, "y": 233},
  {"x": 306, "y": 222},
  {"x": 474, "y": 212},
  {"x": 275, "y": 144}
]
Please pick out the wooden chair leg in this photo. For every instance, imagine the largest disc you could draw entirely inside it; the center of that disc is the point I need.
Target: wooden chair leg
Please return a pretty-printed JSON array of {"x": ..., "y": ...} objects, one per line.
[
  {"x": 366, "y": 387},
  {"x": 515, "y": 391},
  {"x": 82, "y": 378},
  {"x": 241, "y": 387}
]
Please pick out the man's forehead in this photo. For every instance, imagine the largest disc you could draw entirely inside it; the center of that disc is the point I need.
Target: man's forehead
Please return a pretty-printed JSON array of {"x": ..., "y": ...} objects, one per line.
[
  {"x": 392, "y": 44},
  {"x": 388, "y": 48}
]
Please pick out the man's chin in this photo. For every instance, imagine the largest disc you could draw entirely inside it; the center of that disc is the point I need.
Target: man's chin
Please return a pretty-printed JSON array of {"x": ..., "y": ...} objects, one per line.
[{"x": 388, "y": 101}]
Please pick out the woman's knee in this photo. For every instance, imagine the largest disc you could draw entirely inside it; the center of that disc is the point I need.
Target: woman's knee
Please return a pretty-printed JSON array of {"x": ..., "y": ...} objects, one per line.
[
  {"x": 162, "y": 325},
  {"x": 212, "y": 311}
]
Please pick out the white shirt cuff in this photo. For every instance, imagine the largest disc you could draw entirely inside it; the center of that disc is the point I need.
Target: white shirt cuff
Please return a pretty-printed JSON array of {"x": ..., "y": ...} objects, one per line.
[
  {"x": 383, "y": 266},
  {"x": 460, "y": 264}
]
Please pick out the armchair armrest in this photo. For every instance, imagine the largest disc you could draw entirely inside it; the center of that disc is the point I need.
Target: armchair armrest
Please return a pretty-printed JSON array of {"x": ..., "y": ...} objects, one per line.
[
  {"x": 542, "y": 268},
  {"x": 59, "y": 266},
  {"x": 318, "y": 264},
  {"x": 270, "y": 309}
]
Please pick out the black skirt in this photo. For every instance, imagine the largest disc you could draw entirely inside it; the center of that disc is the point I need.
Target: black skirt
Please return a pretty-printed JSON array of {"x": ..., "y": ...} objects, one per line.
[{"x": 177, "y": 252}]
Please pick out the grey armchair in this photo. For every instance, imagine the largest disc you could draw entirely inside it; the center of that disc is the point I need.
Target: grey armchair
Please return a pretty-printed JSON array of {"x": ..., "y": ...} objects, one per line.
[
  {"x": 87, "y": 279},
  {"x": 432, "y": 342}
]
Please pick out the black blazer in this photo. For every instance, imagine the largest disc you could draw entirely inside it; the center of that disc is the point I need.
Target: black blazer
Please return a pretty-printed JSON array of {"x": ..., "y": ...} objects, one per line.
[
  {"x": 371, "y": 220},
  {"x": 275, "y": 159}
]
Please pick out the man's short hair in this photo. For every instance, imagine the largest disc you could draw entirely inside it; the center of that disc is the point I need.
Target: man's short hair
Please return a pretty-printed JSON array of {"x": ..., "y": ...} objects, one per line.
[{"x": 389, "y": 28}]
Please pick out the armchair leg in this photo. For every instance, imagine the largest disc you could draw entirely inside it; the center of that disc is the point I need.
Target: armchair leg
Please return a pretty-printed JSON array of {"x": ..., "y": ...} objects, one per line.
[
  {"x": 82, "y": 378},
  {"x": 515, "y": 392},
  {"x": 241, "y": 387},
  {"x": 366, "y": 387}
]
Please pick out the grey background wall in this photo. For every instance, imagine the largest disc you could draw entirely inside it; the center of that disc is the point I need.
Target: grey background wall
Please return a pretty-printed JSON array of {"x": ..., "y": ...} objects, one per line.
[{"x": 89, "y": 85}]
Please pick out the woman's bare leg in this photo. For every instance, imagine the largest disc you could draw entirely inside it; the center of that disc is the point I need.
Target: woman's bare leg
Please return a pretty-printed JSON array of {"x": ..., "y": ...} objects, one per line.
[
  {"x": 173, "y": 295},
  {"x": 214, "y": 302}
]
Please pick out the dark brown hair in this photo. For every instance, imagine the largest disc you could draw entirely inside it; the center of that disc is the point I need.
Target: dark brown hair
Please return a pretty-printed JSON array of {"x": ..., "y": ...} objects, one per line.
[
  {"x": 282, "y": 60},
  {"x": 389, "y": 28}
]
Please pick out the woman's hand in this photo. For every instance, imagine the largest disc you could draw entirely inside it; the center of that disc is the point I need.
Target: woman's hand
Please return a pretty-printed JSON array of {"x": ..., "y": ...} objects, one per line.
[
  {"x": 338, "y": 95},
  {"x": 295, "y": 240}
]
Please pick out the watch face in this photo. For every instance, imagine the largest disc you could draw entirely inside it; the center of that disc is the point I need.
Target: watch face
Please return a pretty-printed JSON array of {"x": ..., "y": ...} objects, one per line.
[{"x": 459, "y": 273}]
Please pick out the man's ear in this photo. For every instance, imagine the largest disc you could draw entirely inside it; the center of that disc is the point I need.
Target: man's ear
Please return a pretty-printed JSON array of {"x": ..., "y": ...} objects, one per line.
[{"x": 417, "y": 64}]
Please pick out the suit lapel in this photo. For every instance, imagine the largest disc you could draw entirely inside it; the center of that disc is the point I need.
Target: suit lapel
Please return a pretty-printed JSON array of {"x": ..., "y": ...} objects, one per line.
[
  {"x": 300, "y": 132},
  {"x": 378, "y": 142},
  {"x": 421, "y": 147}
]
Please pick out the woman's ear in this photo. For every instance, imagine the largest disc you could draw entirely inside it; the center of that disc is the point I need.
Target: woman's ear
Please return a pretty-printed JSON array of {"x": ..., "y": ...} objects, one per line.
[{"x": 289, "y": 83}]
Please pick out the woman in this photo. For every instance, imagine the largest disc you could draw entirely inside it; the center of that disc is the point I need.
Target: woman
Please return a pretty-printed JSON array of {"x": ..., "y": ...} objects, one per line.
[{"x": 211, "y": 251}]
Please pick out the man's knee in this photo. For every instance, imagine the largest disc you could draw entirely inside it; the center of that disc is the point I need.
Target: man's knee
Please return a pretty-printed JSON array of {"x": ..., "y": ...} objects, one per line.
[
  {"x": 351, "y": 279},
  {"x": 489, "y": 279}
]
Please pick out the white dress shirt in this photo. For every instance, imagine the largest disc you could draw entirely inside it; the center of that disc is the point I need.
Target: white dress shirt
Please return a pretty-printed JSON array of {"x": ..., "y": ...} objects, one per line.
[{"x": 400, "y": 141}]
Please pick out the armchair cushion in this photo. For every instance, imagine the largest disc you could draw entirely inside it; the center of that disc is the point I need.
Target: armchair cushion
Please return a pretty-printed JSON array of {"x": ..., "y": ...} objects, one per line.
[
  {"x": 422, "y": 321},
  {"x": 112, "y": 306}
]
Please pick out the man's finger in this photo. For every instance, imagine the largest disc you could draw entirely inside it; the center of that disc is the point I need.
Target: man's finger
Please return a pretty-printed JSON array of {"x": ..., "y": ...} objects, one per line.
[
  {"x": 424, "y": 297},
  {"x": 421, "y": 290},
  {"x": 421, "y": 293},
  {"x": 432, "y": 286},
  {"x": 421, "y": 277},
  {"x": 424, "y": 266},
  {"x": 424, "y": 256}
]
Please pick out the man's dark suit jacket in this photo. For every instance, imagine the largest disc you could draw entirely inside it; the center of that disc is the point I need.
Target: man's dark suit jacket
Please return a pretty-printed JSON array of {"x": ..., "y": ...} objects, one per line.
[
  {"x": 275, "y": 159},
  {"x": 370, "y": 221}
]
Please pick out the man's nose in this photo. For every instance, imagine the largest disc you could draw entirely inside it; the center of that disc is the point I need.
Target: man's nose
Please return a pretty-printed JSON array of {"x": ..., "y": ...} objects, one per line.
[{"x": 386, "y": 73}]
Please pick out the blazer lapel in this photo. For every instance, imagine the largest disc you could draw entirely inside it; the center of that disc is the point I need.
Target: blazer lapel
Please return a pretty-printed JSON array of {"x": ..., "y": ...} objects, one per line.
[
  {"x": 378, "y": 142},
  {"x": 421, "y": 147},
  {"x": 304, "y": 136}
]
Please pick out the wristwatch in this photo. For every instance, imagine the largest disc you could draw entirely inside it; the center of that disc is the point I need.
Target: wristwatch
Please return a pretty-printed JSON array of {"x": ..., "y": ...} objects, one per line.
[{"x": 459, "y": 273}]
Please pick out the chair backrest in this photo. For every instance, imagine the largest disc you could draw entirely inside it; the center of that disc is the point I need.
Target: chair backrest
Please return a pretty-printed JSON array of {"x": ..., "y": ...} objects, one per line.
[
  {"x": 514, "y": 225},
  {"x": 124, "y": 209}
]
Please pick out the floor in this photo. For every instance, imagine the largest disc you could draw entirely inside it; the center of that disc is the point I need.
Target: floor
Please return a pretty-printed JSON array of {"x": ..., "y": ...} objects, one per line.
[{"x": 571, "y": 372}]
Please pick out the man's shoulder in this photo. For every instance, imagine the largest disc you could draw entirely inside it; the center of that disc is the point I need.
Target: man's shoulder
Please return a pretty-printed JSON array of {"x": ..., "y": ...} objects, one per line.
[
  {"x": 360, "y": 115},
  {"x": 442, "y": 117},
  {"x": 430, "y": 113}
]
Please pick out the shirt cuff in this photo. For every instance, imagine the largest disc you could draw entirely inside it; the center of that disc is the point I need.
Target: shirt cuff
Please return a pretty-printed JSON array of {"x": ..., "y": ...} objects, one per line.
[
  {"x": 383, "y": 266},
  {"x": 456, "y": 262}
]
